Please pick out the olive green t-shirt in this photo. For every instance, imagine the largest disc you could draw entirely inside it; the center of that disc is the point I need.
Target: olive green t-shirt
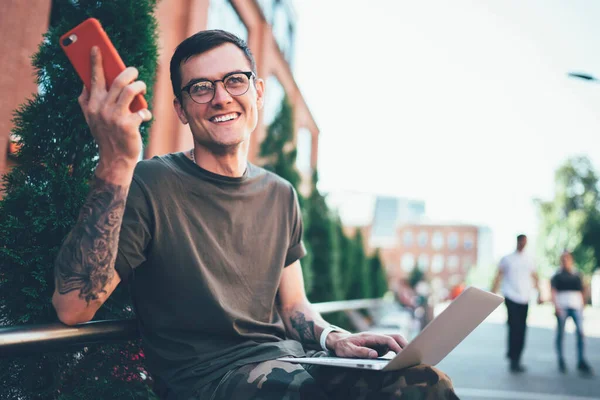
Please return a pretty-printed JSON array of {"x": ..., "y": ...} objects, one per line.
[{"x": 204, "y": 254}]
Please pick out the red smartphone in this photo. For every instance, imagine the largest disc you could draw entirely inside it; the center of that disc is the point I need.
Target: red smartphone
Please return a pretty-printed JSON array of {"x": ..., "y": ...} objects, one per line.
[{"x": 77, "y": 45}]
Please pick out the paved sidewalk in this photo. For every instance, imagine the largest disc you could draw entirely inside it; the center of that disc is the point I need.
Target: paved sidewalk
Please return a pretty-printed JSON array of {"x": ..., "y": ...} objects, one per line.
[{"x": 479, "y": 369}]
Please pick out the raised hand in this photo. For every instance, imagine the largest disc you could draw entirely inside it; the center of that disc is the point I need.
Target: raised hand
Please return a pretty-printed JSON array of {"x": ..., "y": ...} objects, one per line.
[{"x": 114, "y": 127}]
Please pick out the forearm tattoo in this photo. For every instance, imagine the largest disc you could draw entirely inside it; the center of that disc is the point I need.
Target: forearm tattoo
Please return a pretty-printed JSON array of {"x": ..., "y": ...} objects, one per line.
[
  {"x": 304, "y": 328},
  {"x": 86, "y": 258}
]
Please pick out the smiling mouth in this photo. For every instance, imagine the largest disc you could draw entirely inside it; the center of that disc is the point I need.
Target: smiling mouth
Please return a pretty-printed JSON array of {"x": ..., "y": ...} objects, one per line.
[{"x": 225, "y": 117}]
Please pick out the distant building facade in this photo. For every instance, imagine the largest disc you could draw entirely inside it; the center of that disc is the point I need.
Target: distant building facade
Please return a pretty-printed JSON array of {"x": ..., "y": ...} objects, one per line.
[
  {"x": 399, "y": 228},
  {"x": 444, "y": 252}
]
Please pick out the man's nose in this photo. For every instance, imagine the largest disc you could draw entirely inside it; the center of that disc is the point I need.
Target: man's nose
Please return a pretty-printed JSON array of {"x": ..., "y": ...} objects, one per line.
[{"x": 222, "y": 96}]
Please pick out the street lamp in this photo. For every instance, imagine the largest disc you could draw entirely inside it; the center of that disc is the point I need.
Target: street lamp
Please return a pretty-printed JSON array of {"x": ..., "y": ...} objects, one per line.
[{"x": 585, "y": 77}]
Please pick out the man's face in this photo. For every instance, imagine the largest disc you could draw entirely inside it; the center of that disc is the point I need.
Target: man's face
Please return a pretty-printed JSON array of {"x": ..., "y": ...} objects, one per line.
[
  {"x": 521, "y": 243},
  {"x": 567, "y": 261},
  {"x": 204, "y": 119}
]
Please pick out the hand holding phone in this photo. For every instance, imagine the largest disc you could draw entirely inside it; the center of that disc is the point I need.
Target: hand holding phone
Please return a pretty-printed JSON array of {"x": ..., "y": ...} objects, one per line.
[
  {"x": 111, "y": 100},
  {"x": 77, "y": 45}
]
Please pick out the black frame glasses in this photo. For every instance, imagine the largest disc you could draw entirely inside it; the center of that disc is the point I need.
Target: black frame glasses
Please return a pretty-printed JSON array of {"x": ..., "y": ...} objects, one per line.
[{"x": 188, "y": 87}]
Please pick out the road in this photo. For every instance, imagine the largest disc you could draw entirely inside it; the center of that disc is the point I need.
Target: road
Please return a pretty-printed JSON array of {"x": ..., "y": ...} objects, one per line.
[{"x": 479, "y": 370}]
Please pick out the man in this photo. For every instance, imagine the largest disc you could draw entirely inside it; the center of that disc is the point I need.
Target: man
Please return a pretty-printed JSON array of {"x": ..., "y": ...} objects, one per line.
[
  {"x": 517, "y": 273},
  {"x": 210, "y": 246},
  {"x": 568, "y": 300}
]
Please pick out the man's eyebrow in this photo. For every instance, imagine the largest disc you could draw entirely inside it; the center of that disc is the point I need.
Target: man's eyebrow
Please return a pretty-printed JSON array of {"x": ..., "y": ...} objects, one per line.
[
  {"x": 195, "y": 80},
  {"x": 202, "y": 79}
]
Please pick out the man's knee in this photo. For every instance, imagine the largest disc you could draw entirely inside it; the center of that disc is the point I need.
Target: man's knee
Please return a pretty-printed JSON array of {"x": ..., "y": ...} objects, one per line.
[
  {"x": 270, "y": 379},
  {"x": 425, "y": 375},
  {"x": 430, "y": 382}
]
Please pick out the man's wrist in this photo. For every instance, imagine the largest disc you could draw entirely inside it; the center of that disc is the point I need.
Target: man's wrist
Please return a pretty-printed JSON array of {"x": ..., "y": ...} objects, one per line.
[
  {"x": 334, "y": 337},
  {"x": 330, "y": 335},
  {"x": 119, "y": 173}
]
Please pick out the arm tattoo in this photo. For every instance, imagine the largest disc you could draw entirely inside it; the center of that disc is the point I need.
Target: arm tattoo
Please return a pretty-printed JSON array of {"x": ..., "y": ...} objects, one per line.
[
  {"x": 86, "y": 258},
  {"x": 305, "y": 329}
]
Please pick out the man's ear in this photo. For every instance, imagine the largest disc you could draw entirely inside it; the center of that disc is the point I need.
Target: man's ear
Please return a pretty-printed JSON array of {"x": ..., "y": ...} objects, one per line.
[
  {"x": 180, "y": 111},
  {"x": 260, "y": 93}
]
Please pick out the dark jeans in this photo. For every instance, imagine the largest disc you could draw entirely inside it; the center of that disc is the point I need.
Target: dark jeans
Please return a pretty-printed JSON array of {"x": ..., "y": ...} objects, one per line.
[
  {"x": 577, "y": 317},
  {"x": 517, "y": 325}
]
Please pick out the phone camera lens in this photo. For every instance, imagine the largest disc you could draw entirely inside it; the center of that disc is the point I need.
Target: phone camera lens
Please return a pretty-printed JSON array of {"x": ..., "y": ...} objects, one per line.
[{"x": 69, "y": 40}]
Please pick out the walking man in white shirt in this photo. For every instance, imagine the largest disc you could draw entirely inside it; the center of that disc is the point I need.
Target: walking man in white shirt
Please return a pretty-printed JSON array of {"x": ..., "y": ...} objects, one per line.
[
  {"x": 518, "y": 276},
  {"x": 567, "y": 297}
]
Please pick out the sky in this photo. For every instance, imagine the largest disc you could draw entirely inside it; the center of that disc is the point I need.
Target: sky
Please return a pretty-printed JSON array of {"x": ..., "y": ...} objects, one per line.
[{"x": 464, "y": 104}]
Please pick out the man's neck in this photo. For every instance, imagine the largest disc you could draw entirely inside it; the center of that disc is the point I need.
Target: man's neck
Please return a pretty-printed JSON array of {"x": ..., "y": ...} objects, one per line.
[{"x": 229, "y": 164}]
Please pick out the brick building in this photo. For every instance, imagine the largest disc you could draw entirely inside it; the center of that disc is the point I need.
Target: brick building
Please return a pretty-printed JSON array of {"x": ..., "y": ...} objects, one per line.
[
  {"x": 267, "y": 25},
  {"x": 444, "y": 252},
  {"x": 399, "y": 228}
]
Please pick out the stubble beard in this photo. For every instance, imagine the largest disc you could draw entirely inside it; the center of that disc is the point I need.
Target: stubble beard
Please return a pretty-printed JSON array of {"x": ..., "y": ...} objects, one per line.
[{"x": 221, "y": 149}]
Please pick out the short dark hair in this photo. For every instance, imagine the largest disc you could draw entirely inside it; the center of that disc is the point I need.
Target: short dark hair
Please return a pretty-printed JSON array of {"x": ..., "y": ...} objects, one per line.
[
  {"x": 199, "y": 43},
  {"x": 521, "y": 237}
]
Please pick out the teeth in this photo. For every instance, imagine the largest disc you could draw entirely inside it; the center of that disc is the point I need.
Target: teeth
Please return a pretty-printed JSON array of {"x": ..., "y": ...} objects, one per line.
[{"x": 224, "y": 118}]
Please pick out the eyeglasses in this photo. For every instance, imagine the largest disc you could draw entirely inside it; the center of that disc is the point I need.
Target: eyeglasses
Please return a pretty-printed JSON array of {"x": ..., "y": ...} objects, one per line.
[{"x": 203, "y": 91}]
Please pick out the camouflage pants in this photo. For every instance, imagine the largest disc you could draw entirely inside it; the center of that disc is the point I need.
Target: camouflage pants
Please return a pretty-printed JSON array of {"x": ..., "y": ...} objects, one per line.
[{"x": 280, "y": 380}]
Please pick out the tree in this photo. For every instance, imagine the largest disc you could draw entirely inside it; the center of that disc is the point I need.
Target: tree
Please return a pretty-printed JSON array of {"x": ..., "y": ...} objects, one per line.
[
  {"x": 324, "y": 242},
  {"x": 345, "y": 258},
  {"x": 43, "y": 195},
  {"x": 377, "y": 276},
  {"x": 571, "y": 220},
  {"x": 358, "y": 284},
  {"x": 280, "y": 155},
  {"x": 416, "y": 275},
  {"x": 277, "y": 146}
]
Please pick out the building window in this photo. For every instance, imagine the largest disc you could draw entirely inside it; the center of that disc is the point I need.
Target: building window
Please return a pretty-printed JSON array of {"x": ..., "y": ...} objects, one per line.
[
  {"x": 437, "y": 285},
  {"x": 437, "y": 240},
  {"x": 222, "y": 15},
  {"x": 453, "y": 263},
  {"x": 455, "y": 279},
  {"x": 408, "y": 238},
  {"x": 423, "y": 262},
  {"x": 408, "y": 262},
  {"x": 468, "y": 242},
  {"x": 304, "y": 150},
  {"x": 467, "y": 263},
  {"x": 267, "y": 7},
  {"x": 437, "y": 263},
  {"x": 274, "y": 95},
  {"x": 453, "y": 241},
  {"x": 422, "y": 239},
  {"x": 284, "y": 29}
]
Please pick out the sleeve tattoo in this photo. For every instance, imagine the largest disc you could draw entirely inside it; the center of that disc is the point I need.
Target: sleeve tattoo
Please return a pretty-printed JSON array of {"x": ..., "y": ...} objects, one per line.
[{"x": 86, "y": 258}]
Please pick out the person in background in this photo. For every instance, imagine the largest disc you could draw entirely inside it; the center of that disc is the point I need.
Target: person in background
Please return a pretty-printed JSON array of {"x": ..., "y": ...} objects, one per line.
[
  {"x": 517, "y": 273},
  {"x": 568, "y": 300}
]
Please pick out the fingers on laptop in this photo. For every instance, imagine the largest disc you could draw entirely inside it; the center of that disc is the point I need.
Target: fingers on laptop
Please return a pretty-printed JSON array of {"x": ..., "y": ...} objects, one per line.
[
  {"x": 400, "y": 340},
  {"x": 360, "y": 351},
  {"x": 381, "y": 343}
]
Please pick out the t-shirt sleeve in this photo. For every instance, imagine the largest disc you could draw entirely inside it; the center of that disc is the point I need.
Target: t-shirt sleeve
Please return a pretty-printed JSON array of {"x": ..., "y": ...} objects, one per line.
[
  {"x": 296, "y": 249},
  {"x": 502, "y": 264},
  {"x": 135, "y": 232}
]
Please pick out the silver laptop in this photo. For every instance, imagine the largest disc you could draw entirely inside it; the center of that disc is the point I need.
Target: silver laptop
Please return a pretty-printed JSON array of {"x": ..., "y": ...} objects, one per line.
[{"x": 434, "y": 342}]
